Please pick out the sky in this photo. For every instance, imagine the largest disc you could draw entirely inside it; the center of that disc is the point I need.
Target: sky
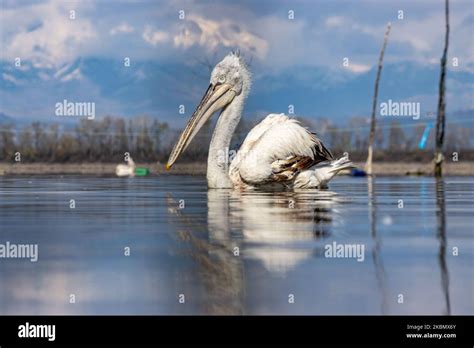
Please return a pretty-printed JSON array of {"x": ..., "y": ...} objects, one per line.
[{"x": 295, "y": 50}]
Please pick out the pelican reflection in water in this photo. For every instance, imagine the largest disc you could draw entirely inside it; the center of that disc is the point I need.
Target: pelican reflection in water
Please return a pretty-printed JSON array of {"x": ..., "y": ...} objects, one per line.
[
  {"x": 280, "y": 230},
  {"x": 277, "y": 153}
]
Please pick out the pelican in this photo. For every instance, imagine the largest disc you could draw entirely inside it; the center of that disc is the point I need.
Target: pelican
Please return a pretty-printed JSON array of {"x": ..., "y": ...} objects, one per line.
[
  {"x": 277, "y": 152},
  {"x": 126, "y": 169}
]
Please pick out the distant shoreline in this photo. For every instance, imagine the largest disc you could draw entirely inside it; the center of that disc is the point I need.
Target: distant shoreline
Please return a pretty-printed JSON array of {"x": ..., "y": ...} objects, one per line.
[{"x": 379, "y": 168}]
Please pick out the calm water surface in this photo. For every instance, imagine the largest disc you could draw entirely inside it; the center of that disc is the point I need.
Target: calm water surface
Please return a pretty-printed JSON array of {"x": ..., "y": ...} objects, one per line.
[{"x": 237, "y": 253}]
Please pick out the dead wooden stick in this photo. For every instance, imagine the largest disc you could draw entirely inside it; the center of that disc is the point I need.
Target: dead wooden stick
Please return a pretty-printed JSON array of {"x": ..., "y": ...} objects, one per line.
[
  {"x": 368, "y": 166},
  {"x": 441, "y": 117}
]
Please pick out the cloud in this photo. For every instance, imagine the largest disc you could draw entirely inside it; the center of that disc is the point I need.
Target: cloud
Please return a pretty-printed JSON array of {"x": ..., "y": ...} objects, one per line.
[
  {"x": 207, "y": 34},
  {"x": 45, "y": 34},
  {"x": 287, "y": 41},
  {"x": 154, "y": 37},
  {"x": 210, "y": 34},
  {"x": 123, "y": 28},
  {"x": 73, "y": 75},
  {"x": 10, "y": 78},
  {"x": 334, "y": 21},
  {"x": 67, "y": 72},
  {"x": 358, "y": 68},
  {"x": 416, "y": 38}
]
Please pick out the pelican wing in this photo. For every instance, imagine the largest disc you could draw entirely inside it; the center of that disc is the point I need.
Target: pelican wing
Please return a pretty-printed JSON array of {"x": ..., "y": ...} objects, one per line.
[{"x": 276, "y": 150}]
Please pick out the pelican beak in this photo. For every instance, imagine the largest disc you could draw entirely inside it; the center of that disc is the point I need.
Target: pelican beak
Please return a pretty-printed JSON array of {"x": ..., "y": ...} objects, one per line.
[{"x": 216, "y": 97}]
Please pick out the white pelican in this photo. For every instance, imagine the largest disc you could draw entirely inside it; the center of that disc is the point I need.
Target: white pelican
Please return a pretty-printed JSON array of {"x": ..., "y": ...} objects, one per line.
[
  {"x": 276, "y": 152},
  {"x": 126, "y": 169}
]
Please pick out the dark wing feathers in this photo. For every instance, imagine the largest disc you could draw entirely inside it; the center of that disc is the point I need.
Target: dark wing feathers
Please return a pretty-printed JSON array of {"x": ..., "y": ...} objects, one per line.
[
  {"x": 286, "y": 170},
  {"x": 321, "y": 153}
]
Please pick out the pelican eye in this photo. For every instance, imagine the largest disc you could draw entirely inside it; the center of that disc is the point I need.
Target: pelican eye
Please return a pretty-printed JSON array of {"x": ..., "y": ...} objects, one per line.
[{"x": 221, "y": 79}]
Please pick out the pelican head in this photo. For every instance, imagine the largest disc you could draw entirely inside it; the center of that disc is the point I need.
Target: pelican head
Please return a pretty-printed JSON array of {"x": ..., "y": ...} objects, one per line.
[{"x": 229, "y": 78}]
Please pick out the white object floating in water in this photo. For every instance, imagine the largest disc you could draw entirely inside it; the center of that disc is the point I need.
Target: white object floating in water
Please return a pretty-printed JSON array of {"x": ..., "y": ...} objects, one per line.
[
  {"x": 387, "y": 220},
  {"x": 126, "y": 169}
]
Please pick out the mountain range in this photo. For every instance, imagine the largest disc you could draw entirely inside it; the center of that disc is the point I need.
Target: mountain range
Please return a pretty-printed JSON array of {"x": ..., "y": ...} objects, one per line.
[{"x": 147, "y": 87}]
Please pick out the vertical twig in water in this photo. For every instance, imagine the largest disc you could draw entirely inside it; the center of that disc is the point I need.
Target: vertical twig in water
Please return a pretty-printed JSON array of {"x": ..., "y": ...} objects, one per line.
[
  {"x": 368, "y": 166},
  {"x": 376, "y": 257},
  {"x": 441, "y": 117},
  {"x": 441, "y": 217}
]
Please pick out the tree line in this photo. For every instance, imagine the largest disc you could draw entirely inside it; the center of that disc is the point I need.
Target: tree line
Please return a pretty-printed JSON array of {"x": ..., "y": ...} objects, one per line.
[{"x": 150, "y": 140}]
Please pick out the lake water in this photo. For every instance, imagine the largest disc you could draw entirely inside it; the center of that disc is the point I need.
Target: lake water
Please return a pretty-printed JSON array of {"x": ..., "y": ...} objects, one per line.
[{"x": 224, "y": 252}]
